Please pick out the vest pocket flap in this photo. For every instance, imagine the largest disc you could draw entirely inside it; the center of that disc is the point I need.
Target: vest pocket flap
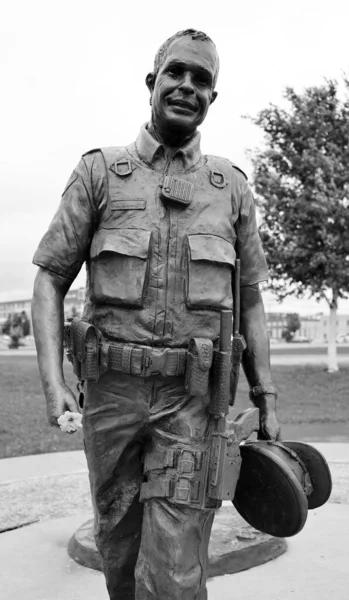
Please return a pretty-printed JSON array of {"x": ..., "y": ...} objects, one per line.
[
  {"x": 211, "y": 248},
  {"x": 129, "y": 242}
]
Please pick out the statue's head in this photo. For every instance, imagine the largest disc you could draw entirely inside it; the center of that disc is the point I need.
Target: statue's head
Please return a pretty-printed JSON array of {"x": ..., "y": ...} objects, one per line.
[{"x": 182, "y": 84}]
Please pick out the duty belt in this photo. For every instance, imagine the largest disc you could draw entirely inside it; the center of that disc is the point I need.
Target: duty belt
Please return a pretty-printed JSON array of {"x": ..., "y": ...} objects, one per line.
[
  {"x": 143, "y": 361},
  {"x": 92, "y": 354}
]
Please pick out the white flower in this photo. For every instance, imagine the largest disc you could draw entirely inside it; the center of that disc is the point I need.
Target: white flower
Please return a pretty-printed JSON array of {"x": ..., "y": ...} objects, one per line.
[{"x": 70, "y": 421}]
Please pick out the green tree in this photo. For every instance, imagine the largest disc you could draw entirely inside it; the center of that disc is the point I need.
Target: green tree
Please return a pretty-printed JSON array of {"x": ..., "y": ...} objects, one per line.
[
  {"x": 301, "y": 179},
  {"x": 292, "y": 325}
]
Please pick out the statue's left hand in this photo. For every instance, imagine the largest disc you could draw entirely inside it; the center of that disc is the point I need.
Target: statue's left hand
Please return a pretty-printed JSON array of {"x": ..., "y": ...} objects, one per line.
[
  {"x": 269, "y": 427},
  {"x": 59, "y": 399}
]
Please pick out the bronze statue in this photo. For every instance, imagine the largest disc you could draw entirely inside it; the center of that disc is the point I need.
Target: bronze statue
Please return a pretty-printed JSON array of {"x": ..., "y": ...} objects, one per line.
[{"x": 161, "y": 229}]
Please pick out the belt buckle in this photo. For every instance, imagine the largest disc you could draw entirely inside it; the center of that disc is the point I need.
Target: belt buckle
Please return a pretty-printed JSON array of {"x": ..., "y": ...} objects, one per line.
[{"x": 154, "y": 361}]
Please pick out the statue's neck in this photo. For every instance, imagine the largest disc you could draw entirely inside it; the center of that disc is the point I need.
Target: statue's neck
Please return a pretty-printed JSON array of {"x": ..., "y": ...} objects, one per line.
[{"x": 171, "y": 140}]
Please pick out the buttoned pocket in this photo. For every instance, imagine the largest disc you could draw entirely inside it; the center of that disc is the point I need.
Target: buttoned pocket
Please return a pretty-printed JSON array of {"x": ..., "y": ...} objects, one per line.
[
  {"x": 119, "y": 266},
  {"x": 210, "y": 260}
]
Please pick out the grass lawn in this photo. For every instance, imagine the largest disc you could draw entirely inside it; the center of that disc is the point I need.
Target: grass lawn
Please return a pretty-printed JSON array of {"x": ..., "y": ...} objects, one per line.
[
  {"x": 308, "y": 397},
  {"x": 23, "y": 423}
]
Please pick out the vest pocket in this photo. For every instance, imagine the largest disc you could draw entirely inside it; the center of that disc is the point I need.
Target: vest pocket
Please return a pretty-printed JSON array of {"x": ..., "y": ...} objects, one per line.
[
  {"x": 209, "y": 263},
  {"x": 119, "y": 266}
]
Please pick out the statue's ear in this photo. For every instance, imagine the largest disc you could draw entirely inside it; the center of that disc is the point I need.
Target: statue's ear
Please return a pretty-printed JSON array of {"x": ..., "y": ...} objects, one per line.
[
  {"x": 214, "y": 96},
  {"x": 150, "y": 81}
]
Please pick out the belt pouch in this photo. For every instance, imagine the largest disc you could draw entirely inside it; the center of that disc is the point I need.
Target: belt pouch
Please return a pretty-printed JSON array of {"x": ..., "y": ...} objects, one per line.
[
  {"x": 85, "y": 350},
  {"x": 199, "y": 361}
]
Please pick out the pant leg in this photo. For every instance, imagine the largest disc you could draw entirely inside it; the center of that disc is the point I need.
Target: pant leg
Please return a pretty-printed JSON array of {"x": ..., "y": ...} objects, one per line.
[
  {"x": 115, "y": 412},
  {"x": 173, "y": 558}
]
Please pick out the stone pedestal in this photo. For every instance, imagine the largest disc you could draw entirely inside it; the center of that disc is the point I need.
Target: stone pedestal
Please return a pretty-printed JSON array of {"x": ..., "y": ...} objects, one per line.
[{"x": 234, "y": 545}]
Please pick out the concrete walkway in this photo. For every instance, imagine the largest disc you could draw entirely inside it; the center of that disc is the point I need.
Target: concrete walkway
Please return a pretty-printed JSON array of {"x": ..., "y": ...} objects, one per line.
[
  {"x": 42, "y": 465},
  {"x": 34, "y": 563},
  {"x": 65, "y": 463}
]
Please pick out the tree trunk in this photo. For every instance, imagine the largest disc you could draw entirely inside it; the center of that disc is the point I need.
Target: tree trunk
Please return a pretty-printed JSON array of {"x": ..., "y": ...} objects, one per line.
[{"x": 332, "y": 334}]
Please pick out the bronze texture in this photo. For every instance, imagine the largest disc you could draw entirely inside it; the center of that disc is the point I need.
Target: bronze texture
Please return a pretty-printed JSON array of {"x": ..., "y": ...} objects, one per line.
[{"x": 159, "y": 227}]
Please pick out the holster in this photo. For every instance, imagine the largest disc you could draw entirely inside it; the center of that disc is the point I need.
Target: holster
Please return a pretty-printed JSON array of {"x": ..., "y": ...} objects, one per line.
[
  {"x": 179, "y": 473},
  {"x": 224, "y": 466},
  {"x": 199, "y": 361},
  {"x": 82, "y": 342},
  {"x": 199, "y": 476}
]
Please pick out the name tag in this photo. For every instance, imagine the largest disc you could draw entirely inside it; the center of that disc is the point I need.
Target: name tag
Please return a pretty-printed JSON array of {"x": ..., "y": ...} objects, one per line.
[{"x": 125, "y": 204}]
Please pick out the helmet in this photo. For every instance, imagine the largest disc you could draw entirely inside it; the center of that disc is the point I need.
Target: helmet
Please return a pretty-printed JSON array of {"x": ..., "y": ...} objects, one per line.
[{"x": 278, "y": 483}]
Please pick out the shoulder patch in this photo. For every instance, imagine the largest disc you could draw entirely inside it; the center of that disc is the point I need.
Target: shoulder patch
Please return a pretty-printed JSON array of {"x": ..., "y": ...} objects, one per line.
[
  {"x": 112, "y": 154},
  {"x": 221, "y": 163}
]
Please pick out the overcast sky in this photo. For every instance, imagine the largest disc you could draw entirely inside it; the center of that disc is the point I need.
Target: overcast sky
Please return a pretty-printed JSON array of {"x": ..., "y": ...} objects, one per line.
[{"x": 72, "y": 75}]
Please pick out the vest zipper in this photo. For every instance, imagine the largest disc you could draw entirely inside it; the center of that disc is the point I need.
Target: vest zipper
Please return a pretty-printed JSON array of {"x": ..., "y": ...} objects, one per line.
[{"x": 168, "y": 220}]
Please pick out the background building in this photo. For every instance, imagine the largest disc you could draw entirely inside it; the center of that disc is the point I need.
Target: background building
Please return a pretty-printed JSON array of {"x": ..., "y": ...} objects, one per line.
[
  {"x": 276, "y": 323},
  {"x": 342, "y": 326},
  {"x": 313, "y": 327},
  {"x": 73, "y": 306},
  {"x": 14, "y": 306},
  {"x": 74, "y": 303}
]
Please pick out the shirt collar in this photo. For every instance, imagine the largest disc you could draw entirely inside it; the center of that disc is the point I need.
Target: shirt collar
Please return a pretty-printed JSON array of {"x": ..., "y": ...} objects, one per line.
[{"x": 150, "y": 150}]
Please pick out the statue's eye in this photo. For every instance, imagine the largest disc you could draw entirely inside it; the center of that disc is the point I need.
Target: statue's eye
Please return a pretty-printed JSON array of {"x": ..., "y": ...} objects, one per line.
[
  {"x": 174, "y": 71},
  {"x": 202, "y": 79}
]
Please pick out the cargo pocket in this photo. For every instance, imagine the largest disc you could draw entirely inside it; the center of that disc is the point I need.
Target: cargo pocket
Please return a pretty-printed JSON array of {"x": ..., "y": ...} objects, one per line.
[
  {"x": 119, "y": 266},
  {"x": 209, "y": 263}
]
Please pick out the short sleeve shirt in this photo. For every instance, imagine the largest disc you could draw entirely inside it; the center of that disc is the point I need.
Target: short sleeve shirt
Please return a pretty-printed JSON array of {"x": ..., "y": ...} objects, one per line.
[
  {"x": 64, "y": 247},
  {"x": 248, "y": 244}
]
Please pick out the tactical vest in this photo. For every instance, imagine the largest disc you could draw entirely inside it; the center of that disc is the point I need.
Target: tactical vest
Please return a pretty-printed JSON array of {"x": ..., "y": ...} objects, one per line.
[{"x": 162, "y": 257}]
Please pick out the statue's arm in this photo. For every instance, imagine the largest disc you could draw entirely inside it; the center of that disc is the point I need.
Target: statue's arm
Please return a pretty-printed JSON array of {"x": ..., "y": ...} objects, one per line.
[
  {"x": 60, "y": 255},
  {"x": 256, "y": 358},
  {"x": 253, "y": 325},
  {"x": 48, "y": 320}
]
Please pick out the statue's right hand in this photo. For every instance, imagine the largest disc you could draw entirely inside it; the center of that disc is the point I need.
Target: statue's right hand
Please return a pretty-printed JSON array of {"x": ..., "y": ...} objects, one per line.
[{"x": 59, "y": 399}]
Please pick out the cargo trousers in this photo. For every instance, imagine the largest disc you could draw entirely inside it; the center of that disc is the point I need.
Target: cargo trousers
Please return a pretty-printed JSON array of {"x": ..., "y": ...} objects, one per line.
[{"x": 156, "y": 549}]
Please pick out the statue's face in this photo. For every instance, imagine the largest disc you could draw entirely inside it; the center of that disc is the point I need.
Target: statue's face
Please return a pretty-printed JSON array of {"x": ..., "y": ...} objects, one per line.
[{"x": 183, "y": 89}]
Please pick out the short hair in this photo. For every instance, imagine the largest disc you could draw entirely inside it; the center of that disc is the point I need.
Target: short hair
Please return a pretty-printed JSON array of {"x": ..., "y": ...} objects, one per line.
[{"x": 195, "y": 35}]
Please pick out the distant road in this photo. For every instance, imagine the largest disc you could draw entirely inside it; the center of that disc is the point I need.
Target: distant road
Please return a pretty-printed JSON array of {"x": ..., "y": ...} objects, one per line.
[
  {"x": 281, "y": 354},
  {"x": 305, "y": 359},
  {"x": 310, "y": 349},
  {"x": 302, "y": 354}
]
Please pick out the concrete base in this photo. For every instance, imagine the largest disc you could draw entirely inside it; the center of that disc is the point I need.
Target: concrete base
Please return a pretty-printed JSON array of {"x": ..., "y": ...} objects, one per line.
[
  {"x": 35, "y": 564},
  {"x": 234, "y": 545}
]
